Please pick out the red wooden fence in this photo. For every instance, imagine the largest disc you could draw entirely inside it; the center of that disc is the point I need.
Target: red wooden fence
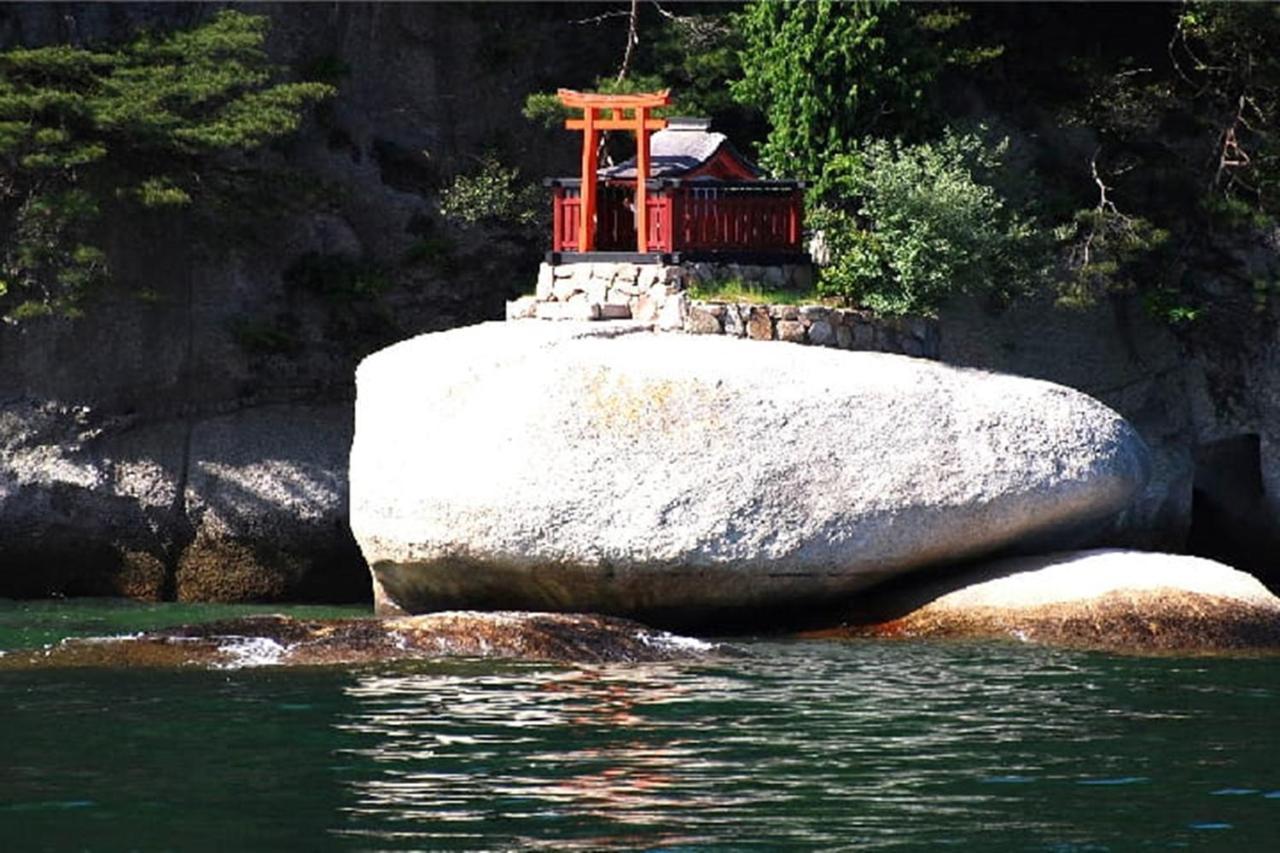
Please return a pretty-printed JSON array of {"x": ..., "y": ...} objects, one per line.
[{"x": 726, "y": 217}]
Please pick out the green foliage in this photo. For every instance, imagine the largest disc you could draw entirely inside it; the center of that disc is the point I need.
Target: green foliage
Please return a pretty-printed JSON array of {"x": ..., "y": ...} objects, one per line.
[
  {"x": 1110, "y": 252},
  {"x": 162, "y": 192},
  {"x": 907, "y": 226},
  {"x": 435, "y": 251},
  {"x": 827, "y": 74},
  {"x": 697, "y": 54},
  {"x": 1229, "y": 55},
  {"x": 89, "y": 131},
  {"x": 260, "y": 337},
  {"x": 493, "y": 194},
  {"x": 338, "y": 278},
  {"x": 738, "y": 290},
  {"x": 545, "y": 107}
]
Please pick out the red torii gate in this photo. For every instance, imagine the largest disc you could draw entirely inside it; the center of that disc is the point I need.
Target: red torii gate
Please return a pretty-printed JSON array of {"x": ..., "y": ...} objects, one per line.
[{"x": 591, "y": 123}]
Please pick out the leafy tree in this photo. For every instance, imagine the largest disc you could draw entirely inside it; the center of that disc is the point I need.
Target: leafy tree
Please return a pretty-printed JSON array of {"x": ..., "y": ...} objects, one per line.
[
  {"x": 692, "y": 52},
  {"x": 546, "y": 109},
  {"x": 827, "y": 74},
  {"x": 494, "y": 194},
  {"x": 1228, "y": 56},
  {"x": 117, "y": 129},
  {"x": 1110, "y": 251},
  {"x": 906, "y": 226}
]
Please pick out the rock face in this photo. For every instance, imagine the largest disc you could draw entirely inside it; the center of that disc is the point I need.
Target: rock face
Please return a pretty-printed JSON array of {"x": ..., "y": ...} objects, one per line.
[
  {"x": 245, "y": 506},
  {"x": 281, "y": 640},
  {"x": 1119, "y": 600},
  {"x": 609, "y": 469}
]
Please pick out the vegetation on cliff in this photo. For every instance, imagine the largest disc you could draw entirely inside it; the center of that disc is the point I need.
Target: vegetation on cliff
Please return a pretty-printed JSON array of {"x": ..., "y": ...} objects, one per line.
[
  {"x": 164, "y": 122},
  {"x": 1123, "y": 150}
]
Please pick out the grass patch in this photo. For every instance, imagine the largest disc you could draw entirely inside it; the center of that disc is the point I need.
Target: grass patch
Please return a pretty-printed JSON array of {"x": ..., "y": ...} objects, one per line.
[{"x": 737, "y": 290}]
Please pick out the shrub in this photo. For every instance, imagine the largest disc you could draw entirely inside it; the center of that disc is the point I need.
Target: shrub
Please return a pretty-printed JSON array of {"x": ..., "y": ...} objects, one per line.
[
  {"x": 906, "y": 226},
  {"x": 493, "y": 194}
]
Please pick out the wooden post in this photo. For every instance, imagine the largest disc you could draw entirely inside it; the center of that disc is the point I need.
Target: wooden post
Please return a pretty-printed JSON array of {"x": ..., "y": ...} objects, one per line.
[
  {"x": 557, "y": 219},
  {"x": 642, "y": 181},
  {"x": 590, "y": 145}
]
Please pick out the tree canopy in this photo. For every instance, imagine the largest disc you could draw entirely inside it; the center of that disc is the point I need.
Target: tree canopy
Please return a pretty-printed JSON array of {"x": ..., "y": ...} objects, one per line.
[{"x": 142, "y": 125}]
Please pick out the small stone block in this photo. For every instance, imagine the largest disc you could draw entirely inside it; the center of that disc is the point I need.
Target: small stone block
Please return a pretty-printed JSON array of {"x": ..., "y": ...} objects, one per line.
[
  {"x": 546, "y": 282},
  {"x": 759, "y": 325},
  {"x": 522, "y": 308},
  {"x": 647, "y": 309},
  {"x": 564, "y": 288},
  {"x": 578, "y": 310},
  {"x": 844, "y": 337},
  {"x": 864, "y": 337},
  {"x": 615, "y": 311},
  {"x": 774, "y": 277},
  {"x": 791, "y": 330},
  {"x": 701, "y": 320},
  {"x": 735, "y": 323},
  {"x": 821, "y": 333},
  {"x": 672, "y": 314},
  {"x": 800, "y": 276},
  {"x": 597, "y": 290}
]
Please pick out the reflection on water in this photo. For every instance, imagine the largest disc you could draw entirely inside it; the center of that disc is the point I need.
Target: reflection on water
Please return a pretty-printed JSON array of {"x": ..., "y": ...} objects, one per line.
[
  {"x": 890, "y": 745},
  {"x": 803, "y": 745},
  {"x": 528, "y": 746}
]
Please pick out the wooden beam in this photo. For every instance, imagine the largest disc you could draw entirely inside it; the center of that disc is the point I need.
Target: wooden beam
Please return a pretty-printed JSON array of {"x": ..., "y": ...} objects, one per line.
[
  {"x": 572, "y": 98},
  {"x": 615, "y": 124}
]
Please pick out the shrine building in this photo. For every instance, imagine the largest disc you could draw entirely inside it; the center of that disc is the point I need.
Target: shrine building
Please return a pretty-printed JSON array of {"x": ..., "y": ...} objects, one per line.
[
  {"x": 688, "y": 211},
  {"x": 701, "y": 199}
]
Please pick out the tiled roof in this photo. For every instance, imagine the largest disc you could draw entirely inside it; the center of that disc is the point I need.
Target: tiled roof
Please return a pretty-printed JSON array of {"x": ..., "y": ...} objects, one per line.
[{"x": 673, "y": 152}]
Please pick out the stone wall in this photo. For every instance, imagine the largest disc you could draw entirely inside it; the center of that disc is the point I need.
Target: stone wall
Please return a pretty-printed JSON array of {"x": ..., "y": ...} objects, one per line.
[
  {"x": 819, "y": 325},
  {"x": 658, "y": 294},
  {"x": 606, "y": 291}
]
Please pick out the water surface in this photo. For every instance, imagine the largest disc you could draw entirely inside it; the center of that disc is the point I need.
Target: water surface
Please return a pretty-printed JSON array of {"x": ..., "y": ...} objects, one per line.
[{"x": 794, "y": 745}]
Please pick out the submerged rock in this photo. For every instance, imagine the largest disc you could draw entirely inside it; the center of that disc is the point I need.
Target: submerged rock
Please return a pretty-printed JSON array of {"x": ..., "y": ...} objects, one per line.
[
  {"x": 282, "y": 640},
  {"x": 1116, "y": 600},
  {"x": 561, "y": 466}
]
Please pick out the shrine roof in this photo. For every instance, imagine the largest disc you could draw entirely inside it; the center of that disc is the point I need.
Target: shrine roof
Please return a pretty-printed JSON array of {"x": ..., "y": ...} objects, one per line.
[{"x": 685, "y": 145}]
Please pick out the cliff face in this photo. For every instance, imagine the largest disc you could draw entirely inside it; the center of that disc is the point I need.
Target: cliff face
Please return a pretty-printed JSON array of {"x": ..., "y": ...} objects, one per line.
[
  {"x": 188, "y": 437},
  {"x": 1204, "y": 399}
]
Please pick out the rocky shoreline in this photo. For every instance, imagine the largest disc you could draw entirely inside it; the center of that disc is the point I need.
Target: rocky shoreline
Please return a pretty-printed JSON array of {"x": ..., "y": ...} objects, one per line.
[
  {"x": 1107, "y": 600},
  {"x": 701, "y": 482},
  {"x": 284, "y": 641},
  {"x": 692, "y": 481}
]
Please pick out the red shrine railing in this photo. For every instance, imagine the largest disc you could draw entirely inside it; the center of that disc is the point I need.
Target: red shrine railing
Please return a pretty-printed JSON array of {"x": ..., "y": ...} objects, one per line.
[
  {"x": 725, "y": 216},
  {"x": 566, "y": 218}
]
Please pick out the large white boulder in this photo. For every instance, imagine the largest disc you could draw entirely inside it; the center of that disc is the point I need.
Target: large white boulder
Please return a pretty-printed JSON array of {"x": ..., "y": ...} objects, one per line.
[
  {"x": 1114, "y": 599},
  {"x": 603, "y": 467}
]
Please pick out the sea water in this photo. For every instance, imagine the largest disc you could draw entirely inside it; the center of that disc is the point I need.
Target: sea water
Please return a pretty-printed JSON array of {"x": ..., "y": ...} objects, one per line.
[{"x": 777, "y": 745}]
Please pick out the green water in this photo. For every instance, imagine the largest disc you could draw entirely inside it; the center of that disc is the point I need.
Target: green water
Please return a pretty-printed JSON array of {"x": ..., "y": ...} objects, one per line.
[{"x": 793, "y": 745}]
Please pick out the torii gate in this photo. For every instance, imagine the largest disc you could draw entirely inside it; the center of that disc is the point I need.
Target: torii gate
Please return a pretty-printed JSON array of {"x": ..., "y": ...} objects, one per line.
[{"x": 591, "y": 123}]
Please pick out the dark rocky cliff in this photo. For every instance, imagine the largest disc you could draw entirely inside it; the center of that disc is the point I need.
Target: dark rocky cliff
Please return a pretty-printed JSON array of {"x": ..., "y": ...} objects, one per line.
[{"x": 188, "y": 437}]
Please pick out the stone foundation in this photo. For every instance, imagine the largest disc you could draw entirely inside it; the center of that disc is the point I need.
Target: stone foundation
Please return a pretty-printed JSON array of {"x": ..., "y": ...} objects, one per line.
[
  {"x": 818, "y": 325},
  {"x": 657, "y": 294}
]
